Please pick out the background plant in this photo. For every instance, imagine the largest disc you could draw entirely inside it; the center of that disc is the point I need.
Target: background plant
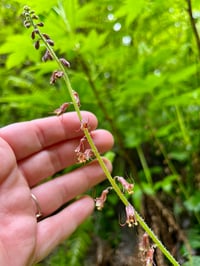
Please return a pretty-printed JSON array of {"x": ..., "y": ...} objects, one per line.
[{"x": 136, "y": 66}]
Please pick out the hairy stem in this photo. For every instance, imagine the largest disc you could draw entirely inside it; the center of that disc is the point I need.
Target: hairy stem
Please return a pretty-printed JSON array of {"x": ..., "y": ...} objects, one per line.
[
  {"x": 107, "y": 173},
  {"x": 97, "y": 154}
]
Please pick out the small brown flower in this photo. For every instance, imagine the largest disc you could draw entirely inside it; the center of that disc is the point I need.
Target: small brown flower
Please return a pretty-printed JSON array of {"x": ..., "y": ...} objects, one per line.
[
  {"x": 34, "y": 16},
  {"x": 56, "y": 75},
  {"x": 27, "y": 24},
  {"x": 99, "y": 202},
  {"x": 50, "y": 42},
  {"x": 64, "y": 62},
  {"x": 149, "y": 257},
  {"x": 61, "y": 109},
  {"x": 81, "y": 146},
  {"x": 40, "y": 24},
  {"x": 84, "y": 124},
  {"x": 34, "y": 32},
  {"x": 76, "y": 97},
  {"x": 33, "y": 35},
  {"x": 37, "y": 44},
  {"x": 146, "y": 250},
  {"x": 47, "y": 56},
  {"x": 46, "y": 36}
]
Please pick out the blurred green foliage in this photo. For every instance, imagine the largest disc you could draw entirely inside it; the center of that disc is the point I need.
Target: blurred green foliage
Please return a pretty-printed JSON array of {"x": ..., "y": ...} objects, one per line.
[{"x": 135, "y": 64}]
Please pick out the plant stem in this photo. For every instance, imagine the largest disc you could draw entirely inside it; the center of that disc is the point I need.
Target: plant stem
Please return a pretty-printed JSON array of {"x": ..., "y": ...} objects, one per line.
[
  {"x": 193, "y": 24},
  {"x": 144, "y": 165},
  {"x": 100, "y": 160},
  {"x": 112, "y": 181},
  {"x": 182, "y": 127},
  {"x": 156, "y": 241}
]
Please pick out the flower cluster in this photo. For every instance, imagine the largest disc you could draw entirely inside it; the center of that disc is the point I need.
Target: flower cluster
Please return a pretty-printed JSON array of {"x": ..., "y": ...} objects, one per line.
[
  {"x": 32, "y": 20},
  {"x": 82, "y": 151},
  {"x": 130, "y": 211},
  {"x": 83, "y": 154},
  {"x": 99, "y": 202},
  {"x": 146, "y": 250}
]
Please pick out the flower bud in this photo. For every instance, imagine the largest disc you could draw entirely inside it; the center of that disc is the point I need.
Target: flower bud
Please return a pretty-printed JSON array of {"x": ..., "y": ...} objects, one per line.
[
  {"x": 50, "y": 42},
  {"x": 26, "y": 8},
  {"x": 64, "y": 62},
  {"x": 40, "y": 24},
  {"x": 46, "y": 36},
  {"x": 37, "y": 44},
  {"x": 33, "y": 35},
  {"x": 27, "y": 24},
  {"x": 34, "y": 16},
  {"x": 47, "y": 56}
]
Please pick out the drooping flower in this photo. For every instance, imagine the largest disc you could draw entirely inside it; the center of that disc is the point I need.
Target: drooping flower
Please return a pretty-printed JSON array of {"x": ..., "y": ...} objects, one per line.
[
  {"x": 126, "y": 185},
  {"x": 47, "y": 56},
  {"x": 64, "y": 62},
  {"x": 89, "y": 154},
  {"x": 76, "y": 97},
  {"x": 62, "y": 109},
  {"x": 146, "y": 250},
  {"x": 56, "y": 75},
  {"x": 130, "y": 215},
  {"x": 99, "y": 202}
]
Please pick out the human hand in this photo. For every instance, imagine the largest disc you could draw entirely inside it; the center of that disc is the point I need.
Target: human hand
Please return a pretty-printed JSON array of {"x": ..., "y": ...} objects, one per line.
[{"x": 30, "y": 152}]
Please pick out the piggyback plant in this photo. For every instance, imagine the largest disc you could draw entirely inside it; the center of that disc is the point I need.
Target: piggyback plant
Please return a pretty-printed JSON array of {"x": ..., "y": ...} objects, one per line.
[{"x": 84, "y": 154}]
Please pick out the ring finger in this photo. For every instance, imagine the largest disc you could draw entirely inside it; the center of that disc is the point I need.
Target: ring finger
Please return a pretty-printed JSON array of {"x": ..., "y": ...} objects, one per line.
[{"x": 53, "y": 194}]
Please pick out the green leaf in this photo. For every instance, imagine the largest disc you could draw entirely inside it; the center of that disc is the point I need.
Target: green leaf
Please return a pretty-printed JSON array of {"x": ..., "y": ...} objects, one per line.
[
  {"x": 193, "y": 203},
  {"x": 195, "y": 261},
  {"x": 183, "y": 74},
  {"x": 19, "y": 48},
  {"x": 130, "y": 9},
  {"x": 166, "y": 184},
  {"x": 178, "y": 155},
  {"x": 39, "y": 6}
]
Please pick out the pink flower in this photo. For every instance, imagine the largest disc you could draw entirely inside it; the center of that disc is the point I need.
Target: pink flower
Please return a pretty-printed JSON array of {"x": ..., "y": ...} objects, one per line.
[
  {"x": 146, "y": 250},
  {"x": 61, "y": 109},
  {"x": 81, "y": 145},
  {"x": 76, "y": 97},
  {"x": 127, "y": 186},
  {"x": 130, "y": 216},
  {"x": 101, "y": 200}
]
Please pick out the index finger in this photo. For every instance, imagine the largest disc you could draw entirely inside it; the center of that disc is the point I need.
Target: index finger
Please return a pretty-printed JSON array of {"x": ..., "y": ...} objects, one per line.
[{"x": 27, "y": 138}]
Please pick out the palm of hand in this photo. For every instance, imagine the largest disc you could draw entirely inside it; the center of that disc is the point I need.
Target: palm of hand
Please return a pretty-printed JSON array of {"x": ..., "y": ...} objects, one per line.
[{"x": 29, "y": 153}]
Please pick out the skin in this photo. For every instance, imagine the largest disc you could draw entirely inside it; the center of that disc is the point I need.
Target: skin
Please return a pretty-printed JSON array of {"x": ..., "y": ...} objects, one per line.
[{"x": 30, "y": 152}]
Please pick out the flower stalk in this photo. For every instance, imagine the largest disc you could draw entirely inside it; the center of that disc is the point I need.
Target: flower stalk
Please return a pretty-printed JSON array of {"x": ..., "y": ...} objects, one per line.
[{"x": 133, "y": 216}]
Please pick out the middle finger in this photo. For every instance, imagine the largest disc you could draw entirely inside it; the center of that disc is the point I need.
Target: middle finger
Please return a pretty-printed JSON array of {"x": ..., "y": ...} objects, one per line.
[{"x": 53, "y": 159}]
